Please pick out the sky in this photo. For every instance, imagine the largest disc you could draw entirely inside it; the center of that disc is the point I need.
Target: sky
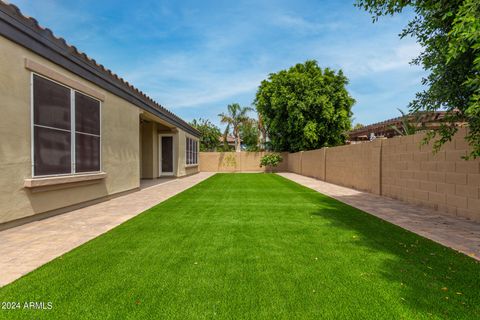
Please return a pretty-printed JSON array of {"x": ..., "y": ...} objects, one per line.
[{"x": 196, "y": 57}]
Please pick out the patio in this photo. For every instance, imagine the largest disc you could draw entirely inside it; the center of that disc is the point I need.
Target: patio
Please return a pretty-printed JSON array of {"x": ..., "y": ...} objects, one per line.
[{"x": 29, "y": 246}]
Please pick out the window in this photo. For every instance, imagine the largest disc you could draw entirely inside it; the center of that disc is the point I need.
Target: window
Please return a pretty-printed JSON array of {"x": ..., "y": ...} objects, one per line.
[
  {"x": 66, "y": 130},
  {"x": 191, "y": 151}
]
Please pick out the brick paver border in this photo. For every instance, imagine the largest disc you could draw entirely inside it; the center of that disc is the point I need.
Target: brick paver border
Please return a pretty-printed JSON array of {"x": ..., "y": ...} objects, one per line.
[{"x": 27, "y": 247}]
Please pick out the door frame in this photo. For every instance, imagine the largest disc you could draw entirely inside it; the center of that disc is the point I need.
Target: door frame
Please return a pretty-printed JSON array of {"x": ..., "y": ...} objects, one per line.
[{"x": 174, "y": 166}]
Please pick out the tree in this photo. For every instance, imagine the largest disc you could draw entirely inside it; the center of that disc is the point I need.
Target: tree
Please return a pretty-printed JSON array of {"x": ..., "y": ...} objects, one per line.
[
  {"x": 210, "y": 134},
  {"x": 449, "y": 32},
  {"x": 358, "y": 126},
  {"x": 262, "y": 134},
  {"x": 234, "y": 118},
  {"x": 305, "y": 107},
  {"x": 249, "y": 134}
]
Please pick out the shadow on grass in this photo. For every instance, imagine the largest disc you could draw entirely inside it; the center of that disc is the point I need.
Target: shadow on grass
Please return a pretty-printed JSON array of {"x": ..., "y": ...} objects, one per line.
[{"x": 435, "y": 280}]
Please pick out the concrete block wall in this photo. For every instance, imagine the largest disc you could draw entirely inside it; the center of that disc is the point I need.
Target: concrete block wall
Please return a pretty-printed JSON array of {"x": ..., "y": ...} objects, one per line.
[
  {"x": 442, "y": 181},
  {"x": 294, "y": 162},
  {"x": 355, "y": 166},
  {"x": 313, "y": 163},
  {"x": 398, "y": 168},
  {"x": 403, "y": 169},
  {"x": 235, "y": 162}
]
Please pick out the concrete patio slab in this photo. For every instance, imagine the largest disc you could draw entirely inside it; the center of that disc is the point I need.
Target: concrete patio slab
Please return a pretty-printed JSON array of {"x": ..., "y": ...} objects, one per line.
[
  {"x": 27, "y": 247},
  {"x": 455, "y": 232}
]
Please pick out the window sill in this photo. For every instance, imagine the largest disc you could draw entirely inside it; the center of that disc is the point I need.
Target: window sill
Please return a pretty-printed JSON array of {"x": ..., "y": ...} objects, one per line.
[
  {"x": 61, "y": 180},
  {"x": 191, "y": 165}
]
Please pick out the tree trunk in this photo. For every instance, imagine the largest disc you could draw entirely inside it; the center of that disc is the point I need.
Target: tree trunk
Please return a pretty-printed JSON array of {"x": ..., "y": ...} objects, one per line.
[
  {"x": 237, "y": 144},
  {"x": 237, "y": 140}
]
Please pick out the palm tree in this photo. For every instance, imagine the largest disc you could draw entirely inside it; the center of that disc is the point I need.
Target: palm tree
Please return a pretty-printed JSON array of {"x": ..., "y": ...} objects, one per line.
[{"x": 234, "y": 118}]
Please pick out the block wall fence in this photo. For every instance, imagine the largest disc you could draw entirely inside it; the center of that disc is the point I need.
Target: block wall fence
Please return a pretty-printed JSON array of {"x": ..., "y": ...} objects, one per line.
[
  {"x": 236, "y": 162},
  {"x": 399, "y": 168}
]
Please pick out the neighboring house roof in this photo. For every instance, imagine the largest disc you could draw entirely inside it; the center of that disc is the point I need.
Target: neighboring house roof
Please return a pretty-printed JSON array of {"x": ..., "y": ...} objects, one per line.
[
  {"x": 28, "y": 33},
  {"x": 230, "y": 139},
  {"x": 384, "y": 128}
]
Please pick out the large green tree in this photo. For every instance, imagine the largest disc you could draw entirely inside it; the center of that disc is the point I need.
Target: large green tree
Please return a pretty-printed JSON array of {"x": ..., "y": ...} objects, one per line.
[
  {"x": 449, "y": 32},
  {"x": 305, "y": 107},
  {"x": 210, "y": 134},
  {"x": 234, "y": 118}
]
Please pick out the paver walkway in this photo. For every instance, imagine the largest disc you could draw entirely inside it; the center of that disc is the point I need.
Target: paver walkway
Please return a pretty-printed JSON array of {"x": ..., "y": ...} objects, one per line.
[
  {"x": 27, "y": 247},
  {"x": 455, "y": 232}
]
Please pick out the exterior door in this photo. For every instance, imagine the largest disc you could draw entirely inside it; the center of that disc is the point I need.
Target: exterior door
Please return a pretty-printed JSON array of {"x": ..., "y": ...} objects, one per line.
[{"x": 166, "y": 155}]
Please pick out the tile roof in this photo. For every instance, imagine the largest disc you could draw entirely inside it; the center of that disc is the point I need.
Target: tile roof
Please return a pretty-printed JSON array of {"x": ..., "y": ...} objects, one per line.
[{"x": 41, "y": 40}]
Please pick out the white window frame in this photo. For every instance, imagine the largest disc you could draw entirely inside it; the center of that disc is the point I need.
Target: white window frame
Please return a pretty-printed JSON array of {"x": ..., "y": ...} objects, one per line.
[
  {"x": 194, "y": 151},
  {"x": 72, "y": 130}
]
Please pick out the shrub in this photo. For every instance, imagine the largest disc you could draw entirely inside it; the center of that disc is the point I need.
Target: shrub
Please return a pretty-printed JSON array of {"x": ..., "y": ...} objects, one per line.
[{"x": 271, "y": 160}]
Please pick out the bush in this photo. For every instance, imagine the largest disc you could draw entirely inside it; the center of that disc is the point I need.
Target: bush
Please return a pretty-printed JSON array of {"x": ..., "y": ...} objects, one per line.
[{"x": 271, "y": 160}]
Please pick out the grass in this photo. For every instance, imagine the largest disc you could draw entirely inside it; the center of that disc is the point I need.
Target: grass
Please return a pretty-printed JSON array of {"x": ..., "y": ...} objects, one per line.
[{"x": 253, "y": 246}]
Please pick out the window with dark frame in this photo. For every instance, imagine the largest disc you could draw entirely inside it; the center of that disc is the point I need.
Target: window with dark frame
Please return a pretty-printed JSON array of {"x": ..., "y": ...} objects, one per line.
[
  {"x": 60, "y": 145},
  {"x": 191, "y": 152}
]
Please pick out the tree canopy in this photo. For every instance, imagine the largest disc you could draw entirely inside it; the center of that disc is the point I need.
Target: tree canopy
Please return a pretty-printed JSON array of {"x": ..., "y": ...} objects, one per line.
[
  {"x": 235, "y": 117},
  {"x": 358, "y": 126},
  {"x": 210, "y": 134},
  {"x": 305, "y": 107},
  {"x": 449, "y": 32},
  {"x": 249, "y": 134}
]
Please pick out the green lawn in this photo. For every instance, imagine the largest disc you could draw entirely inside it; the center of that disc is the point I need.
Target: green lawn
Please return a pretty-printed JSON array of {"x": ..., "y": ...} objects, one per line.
[{"x": 253, "y": 246}]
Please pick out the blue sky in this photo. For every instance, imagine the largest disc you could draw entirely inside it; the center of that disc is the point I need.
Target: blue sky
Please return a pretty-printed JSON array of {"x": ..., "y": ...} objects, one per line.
[{"x": 195, "y": 57}]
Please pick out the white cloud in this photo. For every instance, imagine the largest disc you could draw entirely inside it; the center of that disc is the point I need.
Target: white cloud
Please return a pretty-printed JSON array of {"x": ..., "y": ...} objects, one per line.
[
  {"x": 300, "y": 24},
  {"x": 188, "y": 80},
  {"x": 367, "y": 58}
]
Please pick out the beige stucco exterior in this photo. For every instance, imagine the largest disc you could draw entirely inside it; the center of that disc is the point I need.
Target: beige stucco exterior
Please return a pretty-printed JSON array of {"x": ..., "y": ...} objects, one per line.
[
  {"x": 182, "y": 168},
  {"x": 151, "y": 130},
  {"x": 122, "y": 141}
]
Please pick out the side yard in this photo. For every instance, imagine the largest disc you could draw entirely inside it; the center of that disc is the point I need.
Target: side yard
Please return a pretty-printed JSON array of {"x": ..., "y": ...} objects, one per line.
[{"x": 253, "y": 246}]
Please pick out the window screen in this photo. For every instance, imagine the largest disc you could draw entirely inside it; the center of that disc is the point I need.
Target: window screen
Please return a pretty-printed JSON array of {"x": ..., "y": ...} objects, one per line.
[
  {"x": 87, "y": 133},
  {"x": 51, "y": 126},
  {"x": 191, "y": 151},
  {"x": 87, "y": 153},
  {"x": 60, "y": 146},
  {"x": 52, "y": 149}
]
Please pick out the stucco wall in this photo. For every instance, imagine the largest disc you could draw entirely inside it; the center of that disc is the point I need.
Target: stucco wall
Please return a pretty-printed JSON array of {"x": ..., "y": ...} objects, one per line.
[
  {"x": 236, "y": 162},
  {"x": 149, "y": 148},
  {"x": 120, "y": 142},
  {"x": 183, "y": 168}
]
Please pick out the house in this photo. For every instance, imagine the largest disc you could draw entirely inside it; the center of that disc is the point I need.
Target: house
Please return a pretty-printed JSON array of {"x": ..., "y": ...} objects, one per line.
[
  {"x": 230, "y": 141},
  {"x": 72, "y": 131}
]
